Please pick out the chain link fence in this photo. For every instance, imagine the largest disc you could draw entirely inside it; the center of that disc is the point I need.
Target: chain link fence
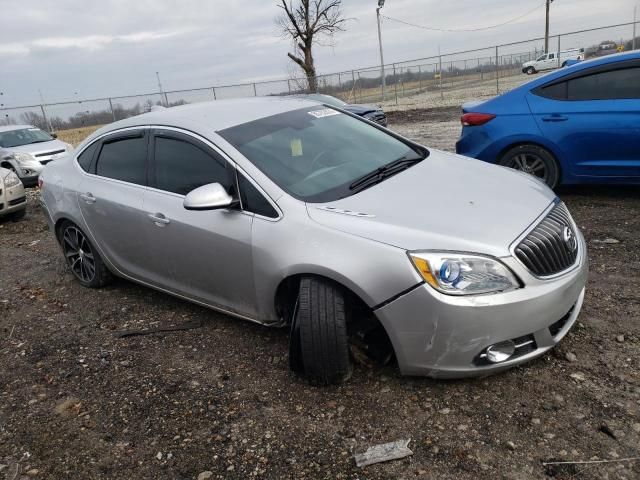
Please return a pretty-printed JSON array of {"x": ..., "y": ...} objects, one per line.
[{"x": 443, "y": 80}]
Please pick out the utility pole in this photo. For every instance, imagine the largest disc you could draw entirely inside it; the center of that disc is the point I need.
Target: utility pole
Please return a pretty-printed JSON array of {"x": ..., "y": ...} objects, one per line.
[
  {"x": 635, "y": 19},
  {"x": 162, "y": 95},
  {"x": 47, "y": 120},
  {"x": 546, "y": 32},
  {"x": 384, "y": 80}
]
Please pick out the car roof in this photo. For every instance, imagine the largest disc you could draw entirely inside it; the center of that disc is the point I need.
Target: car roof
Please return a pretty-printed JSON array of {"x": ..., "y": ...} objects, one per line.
[
  {"x": 10, "y": 128},
  {"x": 214, "y": 115}
]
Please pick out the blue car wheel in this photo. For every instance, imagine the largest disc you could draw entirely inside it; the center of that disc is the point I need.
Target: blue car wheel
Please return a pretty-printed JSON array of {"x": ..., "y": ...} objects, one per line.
[{"x": 535, "y": 161}]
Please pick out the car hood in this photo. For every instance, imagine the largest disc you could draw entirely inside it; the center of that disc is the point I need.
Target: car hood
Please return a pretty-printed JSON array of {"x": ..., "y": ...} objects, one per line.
[
  {"x": 446, "y": 202},
  {"x": 361, "y": 109},
  {"x": 36, "y": 148}
]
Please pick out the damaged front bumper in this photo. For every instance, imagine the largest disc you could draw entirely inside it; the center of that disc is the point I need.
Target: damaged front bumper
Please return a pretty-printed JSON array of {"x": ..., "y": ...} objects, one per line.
[{"x": 445, "y": 336}]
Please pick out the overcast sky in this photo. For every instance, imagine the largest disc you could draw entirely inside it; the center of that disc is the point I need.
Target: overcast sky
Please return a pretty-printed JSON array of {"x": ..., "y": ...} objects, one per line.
[{"x": 71, "y": 49}]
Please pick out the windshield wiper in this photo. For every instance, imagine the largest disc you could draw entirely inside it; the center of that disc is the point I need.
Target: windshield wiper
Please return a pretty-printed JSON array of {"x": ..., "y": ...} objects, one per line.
[
  {"x": 40, "y": 141},
  {"x": 383, "y": 173}
]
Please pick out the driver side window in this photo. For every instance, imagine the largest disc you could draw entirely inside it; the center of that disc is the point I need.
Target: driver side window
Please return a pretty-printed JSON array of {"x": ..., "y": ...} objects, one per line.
[{"x": 180, "y": 166}]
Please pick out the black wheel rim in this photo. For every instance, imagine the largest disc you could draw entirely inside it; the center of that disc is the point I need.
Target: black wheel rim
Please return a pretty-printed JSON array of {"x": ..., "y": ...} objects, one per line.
[
  {"x": 79, "y": 255},
  {"x": 530, "y": 163}
]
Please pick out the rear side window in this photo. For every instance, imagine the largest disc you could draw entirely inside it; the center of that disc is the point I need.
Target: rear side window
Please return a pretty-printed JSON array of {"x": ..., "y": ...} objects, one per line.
[
  {"x": 615, "y": 84},
  {"x": 610, "y": 85},
  {"x": 124, "y": 159},
  {"x": 253, "y": 201},
  {"x": 86, "y": 157},
  {"x": 181, "y": 167},
  {"x": 557, "y": 91}
]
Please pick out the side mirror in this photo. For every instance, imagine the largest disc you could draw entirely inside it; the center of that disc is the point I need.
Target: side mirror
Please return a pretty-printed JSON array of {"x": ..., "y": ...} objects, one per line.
[
  {"x": 208, "y": 197},
  {"x": 54, "y": 135}
]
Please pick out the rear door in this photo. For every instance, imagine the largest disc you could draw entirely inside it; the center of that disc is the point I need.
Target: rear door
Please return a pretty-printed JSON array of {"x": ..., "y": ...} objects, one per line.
[
  {"x": 204, "y": 255},
  {"x": 593, "y": 117},
  {"x": 110, "y": 197}
]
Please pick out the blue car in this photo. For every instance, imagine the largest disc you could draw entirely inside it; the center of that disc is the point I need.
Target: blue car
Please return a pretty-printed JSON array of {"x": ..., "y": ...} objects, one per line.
[{"x": 577, "y": 125}]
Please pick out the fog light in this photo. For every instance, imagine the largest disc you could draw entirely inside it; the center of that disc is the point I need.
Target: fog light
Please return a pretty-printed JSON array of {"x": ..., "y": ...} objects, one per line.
[{"x": 501, "y": 351}]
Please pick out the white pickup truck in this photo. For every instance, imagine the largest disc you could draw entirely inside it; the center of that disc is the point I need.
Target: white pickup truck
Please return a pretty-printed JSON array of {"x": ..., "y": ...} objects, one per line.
[{"x": 549, "y": 61}]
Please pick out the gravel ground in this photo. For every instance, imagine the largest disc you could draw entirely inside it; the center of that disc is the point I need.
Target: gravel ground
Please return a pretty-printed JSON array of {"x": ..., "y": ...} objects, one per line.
[{"x": 78, "y": 402}]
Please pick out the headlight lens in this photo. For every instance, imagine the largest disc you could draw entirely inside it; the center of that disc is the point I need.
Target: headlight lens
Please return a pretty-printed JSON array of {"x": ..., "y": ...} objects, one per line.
[
  {"x": 463, "y": 274},
  {"x": 22, "y": 157},
  {"x": 11, "y": 180}
]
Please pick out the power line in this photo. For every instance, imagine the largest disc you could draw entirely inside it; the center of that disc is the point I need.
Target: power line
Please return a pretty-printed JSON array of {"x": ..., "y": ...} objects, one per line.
[{"x": 439, "y": 29}]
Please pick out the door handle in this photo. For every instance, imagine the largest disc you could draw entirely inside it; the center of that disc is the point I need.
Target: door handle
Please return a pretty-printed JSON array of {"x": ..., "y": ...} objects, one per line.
[
  {"x": 555, "y": 118},
  {"x": 88, "y": 198},
  {"x": 159, "y": 219}
]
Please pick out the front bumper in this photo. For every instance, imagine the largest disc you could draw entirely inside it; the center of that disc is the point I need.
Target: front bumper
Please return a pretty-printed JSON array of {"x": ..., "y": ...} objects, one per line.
[{"x": 444, "y": 336}]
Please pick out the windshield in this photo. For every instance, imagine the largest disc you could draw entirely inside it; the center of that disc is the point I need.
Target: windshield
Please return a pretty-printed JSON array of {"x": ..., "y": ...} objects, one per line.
[
  {"x": 316, "y": 153},
  {"x": 541, "y": 58},
  {"x": 23, "y": 136}
]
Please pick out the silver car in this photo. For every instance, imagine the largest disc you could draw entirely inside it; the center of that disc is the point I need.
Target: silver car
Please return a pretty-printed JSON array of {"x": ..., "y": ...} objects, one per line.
[
  {"x": 13, "y": 199},
  {"x": 26, "y": 149},
  {"x": 290, "y": 213}
]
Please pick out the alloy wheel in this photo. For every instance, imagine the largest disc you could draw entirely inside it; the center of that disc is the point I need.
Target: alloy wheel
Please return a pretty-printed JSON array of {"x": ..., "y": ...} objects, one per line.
[
  {"x": 531, "y": 164},
  {"x": 79, "y": 254}
]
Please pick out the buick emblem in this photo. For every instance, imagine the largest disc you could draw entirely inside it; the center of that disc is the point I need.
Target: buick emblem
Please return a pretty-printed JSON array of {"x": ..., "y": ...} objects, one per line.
[{"x": 569, "y": 239}]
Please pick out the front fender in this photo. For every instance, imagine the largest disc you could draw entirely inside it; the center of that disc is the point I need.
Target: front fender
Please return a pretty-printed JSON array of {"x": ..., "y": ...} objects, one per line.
[{"x": 296, "y": 245}]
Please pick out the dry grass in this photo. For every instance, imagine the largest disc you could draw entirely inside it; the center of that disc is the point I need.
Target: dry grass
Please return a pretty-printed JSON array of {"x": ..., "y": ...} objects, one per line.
[{"x": 76, "y": 135}]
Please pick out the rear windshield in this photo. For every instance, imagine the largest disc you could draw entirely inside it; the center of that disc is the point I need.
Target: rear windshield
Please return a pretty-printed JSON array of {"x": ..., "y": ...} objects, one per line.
[
  {"x": 23, "y": 136},
  {"x": 315, "y": 153}
]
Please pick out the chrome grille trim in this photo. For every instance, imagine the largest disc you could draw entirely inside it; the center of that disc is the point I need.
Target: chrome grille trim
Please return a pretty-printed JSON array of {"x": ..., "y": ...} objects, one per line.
[{"x": 543, "y": 250}]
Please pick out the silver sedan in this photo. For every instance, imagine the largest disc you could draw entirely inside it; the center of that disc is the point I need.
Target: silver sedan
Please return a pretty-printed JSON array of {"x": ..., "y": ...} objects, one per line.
[{"x": 290, "y": 213}]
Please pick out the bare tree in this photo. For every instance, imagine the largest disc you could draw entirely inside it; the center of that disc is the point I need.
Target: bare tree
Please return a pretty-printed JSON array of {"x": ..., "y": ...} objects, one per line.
[{"x": 306, "y": 24}]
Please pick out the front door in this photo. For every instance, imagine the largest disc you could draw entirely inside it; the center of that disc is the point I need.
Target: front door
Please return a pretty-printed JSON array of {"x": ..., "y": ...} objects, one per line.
[{"x": 204, "y": 255}]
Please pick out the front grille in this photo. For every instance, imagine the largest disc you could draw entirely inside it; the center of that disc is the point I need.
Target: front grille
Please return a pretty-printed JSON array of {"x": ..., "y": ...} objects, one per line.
[
  {"x": 552, "y": 246},
  {"x": 46, "y": 154},
  {"x": 17, "y": 201}
]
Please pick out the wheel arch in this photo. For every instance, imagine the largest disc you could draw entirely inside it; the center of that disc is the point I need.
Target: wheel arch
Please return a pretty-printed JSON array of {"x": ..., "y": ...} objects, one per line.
[
  {"x": 287, "y": 290},
  {"x": 537, "y": 143},
  {"x": 364, "y": 327}
]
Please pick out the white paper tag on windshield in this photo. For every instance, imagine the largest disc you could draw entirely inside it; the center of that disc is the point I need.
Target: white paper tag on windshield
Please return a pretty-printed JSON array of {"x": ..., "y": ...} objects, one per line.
[{"x": 327, "y": 112}]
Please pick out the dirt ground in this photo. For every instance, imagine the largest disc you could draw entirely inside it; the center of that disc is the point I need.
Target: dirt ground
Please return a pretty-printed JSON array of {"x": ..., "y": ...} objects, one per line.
[{"x": 78, "y": 402}]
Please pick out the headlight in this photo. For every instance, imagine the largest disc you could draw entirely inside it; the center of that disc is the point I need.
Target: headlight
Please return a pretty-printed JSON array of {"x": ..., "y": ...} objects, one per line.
[
  {"x": 21, "y": 157},
  {"x": 463, "y": 274},
  {"x": 11, "y": 180}
]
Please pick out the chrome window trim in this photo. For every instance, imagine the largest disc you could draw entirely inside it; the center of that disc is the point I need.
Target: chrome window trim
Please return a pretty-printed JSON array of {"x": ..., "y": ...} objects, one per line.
[{"x": 200, "y": 138}]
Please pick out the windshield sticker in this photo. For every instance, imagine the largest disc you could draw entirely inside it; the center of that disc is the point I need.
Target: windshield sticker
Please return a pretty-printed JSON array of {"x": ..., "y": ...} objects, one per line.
[
  {"x": 34, "y": 129},
  {"x": 296, "y": 147},
  {"x": 327, "y": 112}
]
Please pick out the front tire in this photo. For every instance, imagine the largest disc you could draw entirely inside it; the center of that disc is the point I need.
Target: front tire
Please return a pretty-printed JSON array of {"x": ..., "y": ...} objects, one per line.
[
  {"x": 534, "y": 160},
  {"x": 321, "y": 322},
  {"x": 82, "y": 257},
  {"x": 531, "y": 71}
]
